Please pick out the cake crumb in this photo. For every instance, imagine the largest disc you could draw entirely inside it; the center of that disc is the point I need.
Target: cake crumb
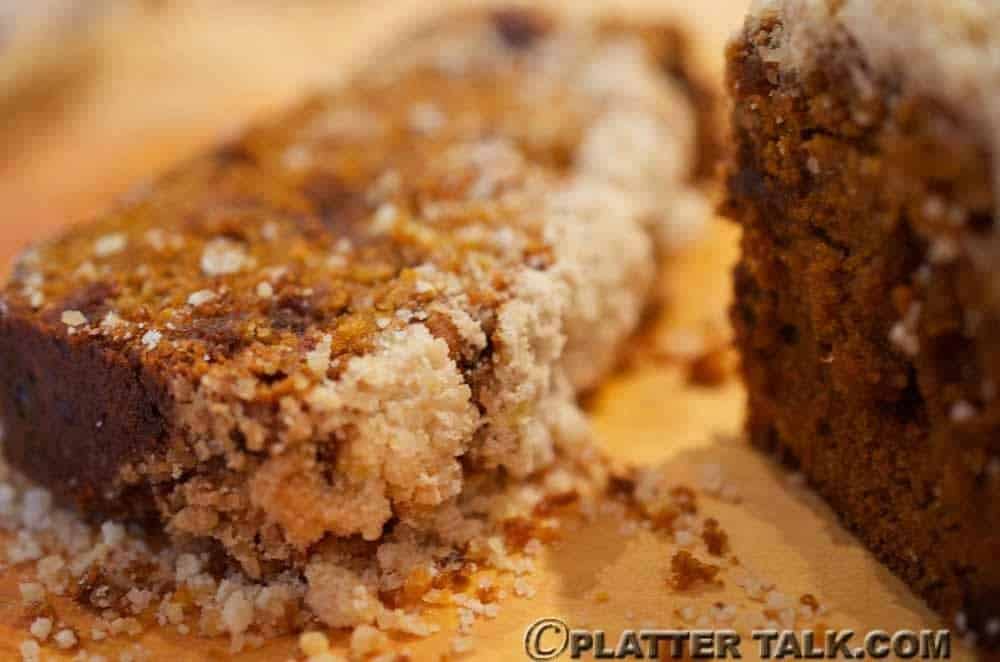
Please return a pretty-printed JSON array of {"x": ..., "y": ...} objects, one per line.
[
  {"x": 313, "y": 643},
  {"x": 384, "y": 219},
  {"x": 776, "y": 600},
  {"x": 688, "y": 572},
  {"x": 716, "y": 540},
  {"x": 325, "y": 657},
  {"x": 110, "y": 244},
  {"x": 30, "y": 651},
  {"x": 904, "y": 333},
  {"x": 962, "y": 412},
  {"x": 462, "y": 645},
  {"x": 112, "y": 533},
  {"x": 318, "y": 359},
  {"x": 713, "y": 367},
  {"x": 426, "y": 117},
  {"x": 151, "y": 340},
  {"x": 237, "y": 612},
  {"x": 65, "y": 639},
  {"x": 295, "y": 157},
  {"x": 684, "y": 538},
  {"x": 943, "y": 250},
  {"x": 366, "y": 640},
  {"x": 73, "y": 318},
  {"x": 201, "y": 297},
  {"x": 523, "y": 589},
  {"x": 32, "y": 592},
  {"x": 223, "y": 257},
  {"x": 111, "y": 321},
  {"x": 41, "y": 628},
  {"x": 24, "y": 548}
]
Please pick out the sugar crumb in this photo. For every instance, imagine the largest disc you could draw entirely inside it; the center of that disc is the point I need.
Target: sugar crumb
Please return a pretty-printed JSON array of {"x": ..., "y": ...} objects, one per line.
[
  {"x": 223, "y": 257},
  {"x": 318, "y": 360},
  {"x": 313, "y": 643},
  {"x": 32, "y": 592},
  {"x": 523, "y": 589},
  {"x": 65, "y": 639},
  {"x": 201, "y": 297},
  {"x": 41, "y": 628},
  {"x": 265, "y": 290},
  {"x": 962, "y": 412},
  {"x": 367, "y": 640},
  {"x": 462, "y": 645},
  {"x": 151, "y": 340},
  {"x": 30, "y": 651},
  {"x": 73, "y": 318},
  {"x": 110, "y": 244}
]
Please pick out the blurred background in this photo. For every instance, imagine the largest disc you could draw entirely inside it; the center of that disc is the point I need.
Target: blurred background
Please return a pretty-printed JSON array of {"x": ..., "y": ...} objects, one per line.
[{"x": 98, "y": 95}]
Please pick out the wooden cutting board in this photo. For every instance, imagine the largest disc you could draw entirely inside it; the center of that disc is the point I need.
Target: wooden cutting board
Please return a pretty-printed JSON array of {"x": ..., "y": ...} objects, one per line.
[{"x": 166, "y": 83}]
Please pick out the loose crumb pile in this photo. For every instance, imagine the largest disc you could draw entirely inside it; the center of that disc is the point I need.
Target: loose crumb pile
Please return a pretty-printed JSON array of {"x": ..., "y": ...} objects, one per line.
[
  {"x": 704, "y": 561},
  {"x": 131, "y": 583},
  {"x": 689, "y": 572}
]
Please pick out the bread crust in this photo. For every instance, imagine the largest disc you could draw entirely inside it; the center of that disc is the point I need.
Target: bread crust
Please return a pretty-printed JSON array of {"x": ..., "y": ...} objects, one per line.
[{"x": 866, "y": 320}]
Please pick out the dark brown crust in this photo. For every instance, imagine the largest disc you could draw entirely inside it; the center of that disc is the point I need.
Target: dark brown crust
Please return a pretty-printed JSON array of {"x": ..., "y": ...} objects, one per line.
[
  {"x": 74, "y": 411},
  {"x": 833, "y": 194}
]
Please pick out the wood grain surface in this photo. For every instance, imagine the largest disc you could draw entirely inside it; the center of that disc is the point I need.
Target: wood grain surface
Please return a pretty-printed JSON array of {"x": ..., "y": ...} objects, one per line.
[{"x": 167, "y": 83}]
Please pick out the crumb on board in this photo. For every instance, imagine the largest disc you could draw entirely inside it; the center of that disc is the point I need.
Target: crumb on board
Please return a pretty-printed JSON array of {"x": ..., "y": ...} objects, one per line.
[
  {"x": 714, "y": 367},
  {"x": 687, "y": 572},
  {"x": 716, "y": 540},
  {"x": 110, "y": 571},
  {"x": 204, "y": 604}
]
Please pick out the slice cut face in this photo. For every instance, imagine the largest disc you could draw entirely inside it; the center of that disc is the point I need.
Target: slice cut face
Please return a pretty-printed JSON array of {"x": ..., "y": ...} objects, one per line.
[{"x": 867, "y": 305}]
